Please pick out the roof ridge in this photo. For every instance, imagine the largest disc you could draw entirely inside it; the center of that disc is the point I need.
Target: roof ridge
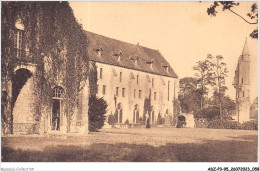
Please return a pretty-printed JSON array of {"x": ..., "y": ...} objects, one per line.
[
  {"x": 137, "y": 45},
  {"x": 128, "y": 49}
]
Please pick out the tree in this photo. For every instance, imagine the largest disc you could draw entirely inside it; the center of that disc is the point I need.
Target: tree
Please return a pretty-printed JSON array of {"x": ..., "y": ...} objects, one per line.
[
  {"x": 176, "y": 110},
  {"x": 228, "y": 105},
  {"x": 160, "y": 119},
  {"x": 254, "y": 109},
  {"x": 218, "y": 71},
  {"x": 96, "y": 113},
  {"x": 203, "y": 76},
  {"x": 229, "y": 5},
  {"x": 189, "y": 96}
]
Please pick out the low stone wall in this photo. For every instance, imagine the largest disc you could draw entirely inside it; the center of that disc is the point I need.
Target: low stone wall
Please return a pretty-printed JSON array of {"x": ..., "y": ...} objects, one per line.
[
  {"x": 139, "y": 126},
  {"x": 25, "y": 128}
]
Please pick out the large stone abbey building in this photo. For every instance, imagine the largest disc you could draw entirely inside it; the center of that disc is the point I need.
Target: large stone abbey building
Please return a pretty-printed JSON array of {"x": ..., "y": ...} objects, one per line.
[
  {"x": 242, "y": 85},
  {"x": 130, "y": 75},
  {"x": 46, "y": 62}
]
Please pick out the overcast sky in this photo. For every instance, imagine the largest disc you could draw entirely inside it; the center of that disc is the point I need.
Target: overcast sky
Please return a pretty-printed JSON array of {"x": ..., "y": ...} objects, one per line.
[{"x": 182, "y": 31}]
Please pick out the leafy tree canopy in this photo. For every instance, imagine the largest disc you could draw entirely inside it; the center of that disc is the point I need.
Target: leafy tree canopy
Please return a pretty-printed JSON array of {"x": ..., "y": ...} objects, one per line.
[{"x": 230, "y": 5}]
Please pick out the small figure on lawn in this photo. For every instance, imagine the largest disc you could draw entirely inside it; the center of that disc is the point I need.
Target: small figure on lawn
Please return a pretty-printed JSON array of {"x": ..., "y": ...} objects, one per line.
[{"x": 148, "y": 120}]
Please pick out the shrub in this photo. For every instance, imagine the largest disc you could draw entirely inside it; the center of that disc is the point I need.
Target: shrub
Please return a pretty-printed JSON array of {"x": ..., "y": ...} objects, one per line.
[
  {"x": 96, "y": 113},
  {"x": 111, "y": 119},
  {"x": 250, "y": 125},
  {"x": 141, "y": 121},
  {"x": 160, "y": 120},
  {"x": 224, "y": 124},
  {"x": 127, "y": 122},
  {"x": 210, "y": 112},
  {"x": 201, "y": 122}
]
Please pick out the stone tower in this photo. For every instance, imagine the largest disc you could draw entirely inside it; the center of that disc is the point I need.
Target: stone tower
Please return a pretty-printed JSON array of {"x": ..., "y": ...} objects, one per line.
[{"x": 242, "y": 85}]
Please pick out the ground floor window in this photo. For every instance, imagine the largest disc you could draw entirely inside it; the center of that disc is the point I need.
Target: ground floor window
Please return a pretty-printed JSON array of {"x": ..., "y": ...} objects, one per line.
[
  {"x": 136, "y": 114},
  {"x": 119, "y": 114}
]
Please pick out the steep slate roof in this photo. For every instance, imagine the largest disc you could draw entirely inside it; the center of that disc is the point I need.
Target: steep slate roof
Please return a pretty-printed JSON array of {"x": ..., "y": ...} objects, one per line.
[
  {"x": 245, "y": 49},
  {"x": 110, "y": 47},
  {"x": 246, "y": 55}
]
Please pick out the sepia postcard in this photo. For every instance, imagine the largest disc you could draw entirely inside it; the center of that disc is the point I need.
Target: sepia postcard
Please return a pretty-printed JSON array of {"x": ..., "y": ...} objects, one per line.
[{"x": 135, "y": 81}]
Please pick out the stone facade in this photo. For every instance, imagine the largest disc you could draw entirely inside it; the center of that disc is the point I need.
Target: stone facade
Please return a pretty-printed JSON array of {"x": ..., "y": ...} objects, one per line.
[
  {"x": 130, "y": 94},
  {"x": 126, "y": 83},
  {"x": 39, "y": 91},
  {"x": 136, "y": 82},
  {"x": 242, "y": 85}
]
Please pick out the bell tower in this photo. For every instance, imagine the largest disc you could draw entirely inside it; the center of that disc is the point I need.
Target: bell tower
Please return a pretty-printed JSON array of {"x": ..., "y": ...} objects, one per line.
[{"x": 242, "y": 85}]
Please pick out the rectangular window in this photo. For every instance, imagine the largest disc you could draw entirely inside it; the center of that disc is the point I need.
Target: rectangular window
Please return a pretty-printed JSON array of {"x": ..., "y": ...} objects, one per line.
[
  {"x": 242, "y": 80},
  {"x": 104, "y": 90},
  {"x": 152, "y": 82},
  {"x": 123, "y": 92},
  {"x": 140, "y": 94},
  {"x": 101, "y": 73},
  {"x": 155, "y": 95},
  {"x": 137, "y": 79},
  {"x": 18, "y": 40},
  {"x": 120, "y": 77},
  {"x": 134, "y": 93},
  {"x": 117, "y": 91},
  {"x": 99, "y": 53},
  {"x": 168, "y": 90}
]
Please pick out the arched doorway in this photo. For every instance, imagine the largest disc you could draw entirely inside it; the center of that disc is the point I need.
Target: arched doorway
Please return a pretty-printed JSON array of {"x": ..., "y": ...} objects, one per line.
[
  {"x": 119, "y": 113},
  {"x": 56, "y": 115},
  {"x": 22, "y": 118},
  {"x": 19, "y": 79},
  {"x": 136, "y": 114},
  {"x": 181, "y": 121}
]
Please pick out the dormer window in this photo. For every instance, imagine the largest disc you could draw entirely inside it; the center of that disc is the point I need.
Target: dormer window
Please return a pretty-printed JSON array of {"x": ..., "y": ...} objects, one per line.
[
  {"x": 165, "y": 67},
  {"x": 19, "y": 25},
  {"x": 118, "y": 55},
  {"x": 150, "y": 63},
  {"x": 99, "y": 51},
  {"x": 134, "y": 59}
]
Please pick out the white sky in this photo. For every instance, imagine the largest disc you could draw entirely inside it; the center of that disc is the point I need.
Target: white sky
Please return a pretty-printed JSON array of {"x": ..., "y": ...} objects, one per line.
[{"x": 182, "y": 31}]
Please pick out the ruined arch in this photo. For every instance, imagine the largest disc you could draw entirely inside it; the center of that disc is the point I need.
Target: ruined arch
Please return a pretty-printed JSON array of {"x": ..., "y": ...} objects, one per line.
[
  {"x": 181, "y": 121},
  {"x": 22, "y": 117},
  {"x": 29, "y": 66},
  {"x": 19, "y": 79}
]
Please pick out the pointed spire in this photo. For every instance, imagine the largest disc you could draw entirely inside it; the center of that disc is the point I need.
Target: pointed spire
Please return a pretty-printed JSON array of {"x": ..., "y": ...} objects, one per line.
[{"x": 245, "y": 49}]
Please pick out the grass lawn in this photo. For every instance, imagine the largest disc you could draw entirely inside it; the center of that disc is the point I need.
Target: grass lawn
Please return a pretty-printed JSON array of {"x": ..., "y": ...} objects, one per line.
[{"x": 135, "y": 145}]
